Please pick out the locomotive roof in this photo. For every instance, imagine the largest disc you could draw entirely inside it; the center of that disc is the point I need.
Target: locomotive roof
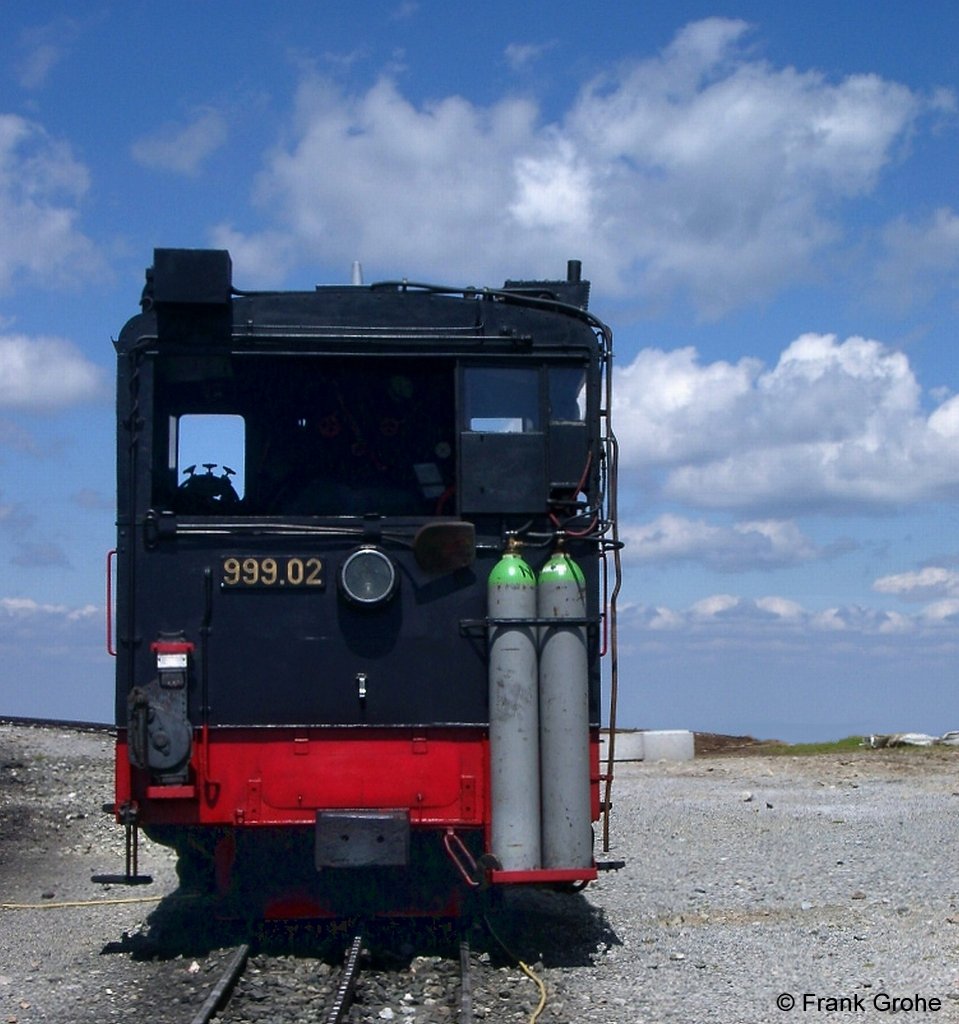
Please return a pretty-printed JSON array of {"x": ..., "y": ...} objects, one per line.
[{"x": 189, "y": 300}]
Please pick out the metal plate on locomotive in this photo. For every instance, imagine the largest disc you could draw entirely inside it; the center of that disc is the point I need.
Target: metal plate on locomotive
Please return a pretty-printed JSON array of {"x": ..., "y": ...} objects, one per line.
[
  {"x": 272, "y": 572},
  {"x": 352, "y": 839}
]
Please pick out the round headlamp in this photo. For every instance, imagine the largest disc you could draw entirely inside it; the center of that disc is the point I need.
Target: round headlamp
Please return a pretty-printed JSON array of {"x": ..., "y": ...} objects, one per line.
[{"x": 368, "y": 577}]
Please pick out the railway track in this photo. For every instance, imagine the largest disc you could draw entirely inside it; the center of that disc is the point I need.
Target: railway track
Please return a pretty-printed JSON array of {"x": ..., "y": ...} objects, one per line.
[
  {"x": 193, "y": 966},
  {"x": 253, "y": 987},
  {"x": 224, "y": 986}
]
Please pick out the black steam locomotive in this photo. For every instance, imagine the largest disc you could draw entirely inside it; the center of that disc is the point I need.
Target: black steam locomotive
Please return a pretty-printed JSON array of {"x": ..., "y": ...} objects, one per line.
[{"x": 365, "y": 573}]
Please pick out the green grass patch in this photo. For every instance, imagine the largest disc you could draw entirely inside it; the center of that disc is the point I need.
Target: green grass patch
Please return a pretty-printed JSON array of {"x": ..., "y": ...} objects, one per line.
[
  {"x": 843, "y": 746},
  {"x": 847, "y": 745}
]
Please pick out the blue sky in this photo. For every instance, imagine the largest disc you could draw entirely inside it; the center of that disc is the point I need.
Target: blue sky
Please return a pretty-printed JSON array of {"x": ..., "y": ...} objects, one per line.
[{"x": 764, "y": 196}]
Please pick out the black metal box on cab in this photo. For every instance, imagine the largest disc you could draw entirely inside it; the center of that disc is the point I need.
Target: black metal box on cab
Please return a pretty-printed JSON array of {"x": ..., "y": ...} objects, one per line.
[{"x": 192, "y": 276}]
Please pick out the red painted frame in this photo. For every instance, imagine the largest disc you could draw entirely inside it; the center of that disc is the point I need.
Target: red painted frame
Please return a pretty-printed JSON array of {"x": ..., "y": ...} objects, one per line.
[
  {"x": 249, "y": 777},
  {"x": 282, "y": 776}
]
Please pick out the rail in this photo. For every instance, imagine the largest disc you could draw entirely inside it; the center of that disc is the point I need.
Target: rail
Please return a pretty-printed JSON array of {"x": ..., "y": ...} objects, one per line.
[{"x": 220, "y": 992}]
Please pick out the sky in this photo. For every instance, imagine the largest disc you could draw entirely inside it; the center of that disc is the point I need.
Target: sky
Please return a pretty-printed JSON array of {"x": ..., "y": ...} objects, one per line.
[{"x": 763, "y": 194}]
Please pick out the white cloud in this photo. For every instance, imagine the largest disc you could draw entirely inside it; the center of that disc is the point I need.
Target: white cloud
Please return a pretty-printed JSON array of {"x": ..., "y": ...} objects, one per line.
[
  {"x": 182, "y": 148},
  {"x": 27, "y": 609},
  {"x": 42, "y": 49},
  {"x": 919, "y": 258},
  {"x": 736, "y": 620},
  {"x": 942, "y": 612},
  {"x": 663, "y": 402},
  {"x": 553, "y": 190},
  {"x": 765, "y": 544},
  {"x": 781, "y": 607},
  {"x": 54, "y": 660},
  {"x": 405, "y": 10},
  {"x": 264, "y": 259},
  {"x": 519, "y": 56},
  {"x": 723, "y": 171},
  {"x": 45, "y": 373},
  {"x": 833, "y": 424},
  {"x": 832, "y": 620},
  {"x": 373, "y": 177},
  {"x": 41, "y": 186},
  {"x": 895, "y": 623},
  {"x": 702, "y": 170},
  {"x": 664, "y": 619},
  {"x": 945, "y": 420},
  {"x": 921, "y": 585},
  {"x": 770, "y": 666},
  {"x": 715, "y": 606},
  {"x": 34, "y": 67}
]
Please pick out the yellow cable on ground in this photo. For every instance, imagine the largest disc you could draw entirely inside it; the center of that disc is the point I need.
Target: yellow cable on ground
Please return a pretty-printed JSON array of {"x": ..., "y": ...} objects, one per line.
[
  {"x": 528, "y": 971},
  {"x": 525, "y": 968},
  {"x": 79, "y": 903}
]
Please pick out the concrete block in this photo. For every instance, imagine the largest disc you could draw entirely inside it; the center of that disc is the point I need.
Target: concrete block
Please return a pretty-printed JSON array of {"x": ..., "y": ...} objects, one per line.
[
  {"x": 648, "y": 745},
  {"x": 668, "y": 745}
]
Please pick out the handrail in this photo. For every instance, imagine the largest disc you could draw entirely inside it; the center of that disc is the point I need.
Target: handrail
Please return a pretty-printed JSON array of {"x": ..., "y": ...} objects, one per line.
[{"x": 111, "y": 649}]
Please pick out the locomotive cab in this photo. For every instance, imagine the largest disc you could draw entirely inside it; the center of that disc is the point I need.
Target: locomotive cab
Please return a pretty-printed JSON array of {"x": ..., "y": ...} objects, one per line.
[{"x": 313, "y": 491}]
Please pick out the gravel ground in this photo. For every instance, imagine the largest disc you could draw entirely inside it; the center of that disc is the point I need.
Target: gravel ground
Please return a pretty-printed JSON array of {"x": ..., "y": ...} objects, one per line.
[{"x": 828, "y": 880}]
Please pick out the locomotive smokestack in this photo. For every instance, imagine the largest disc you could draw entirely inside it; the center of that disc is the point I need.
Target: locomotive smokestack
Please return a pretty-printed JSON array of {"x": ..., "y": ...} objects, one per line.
[{"x": 574, "y": 271}]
